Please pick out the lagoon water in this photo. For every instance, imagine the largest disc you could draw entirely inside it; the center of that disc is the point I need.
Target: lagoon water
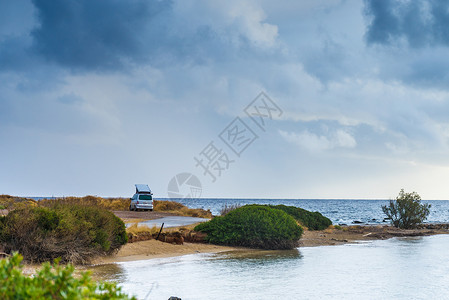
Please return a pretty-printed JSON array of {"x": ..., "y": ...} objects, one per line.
[{"x": 398, "y": 268}]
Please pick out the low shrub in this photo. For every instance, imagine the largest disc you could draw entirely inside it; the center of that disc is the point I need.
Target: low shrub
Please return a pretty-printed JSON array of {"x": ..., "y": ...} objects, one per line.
[
  {"x": 311, "y": 220},
  {"x": 180, "y": 209},
  {"x": 160, "y": 205},
  {"x": 106, "y": 203},
  {"x": 11, "y": 202},
  {"x": 73, "y": 233},
  {"x": 338, "y": 227},
  {"x": 52, "y": 282},
  {"x": 255, "y": 226}
]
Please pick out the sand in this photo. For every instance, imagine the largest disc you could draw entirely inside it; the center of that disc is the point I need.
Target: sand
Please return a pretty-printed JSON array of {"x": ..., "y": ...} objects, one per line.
[
  {"x": 156, "y": 249},
  {"x": 351, "y": 234}
]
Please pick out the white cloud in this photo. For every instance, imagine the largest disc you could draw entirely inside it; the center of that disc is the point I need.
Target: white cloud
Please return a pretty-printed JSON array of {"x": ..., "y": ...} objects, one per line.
[{"x": 317, "y": 143}]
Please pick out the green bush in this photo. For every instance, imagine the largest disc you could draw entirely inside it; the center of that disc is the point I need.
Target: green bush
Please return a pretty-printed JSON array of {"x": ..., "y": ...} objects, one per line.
[
  {"x": 71, "y": 232},
  {"x": 253, "y": 226},
  {"x": 406, "y": 211},
  {"x": 311, "y": 220},
  {"x": 51, "y": 282}
]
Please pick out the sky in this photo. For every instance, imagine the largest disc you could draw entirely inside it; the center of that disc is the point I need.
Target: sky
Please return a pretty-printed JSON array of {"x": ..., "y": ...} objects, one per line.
[{"x": 238, "y": 99}]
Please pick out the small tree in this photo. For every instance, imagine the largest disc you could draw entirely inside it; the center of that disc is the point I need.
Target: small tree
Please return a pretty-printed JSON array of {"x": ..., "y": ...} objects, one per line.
[{"x": 406, "y": 211}]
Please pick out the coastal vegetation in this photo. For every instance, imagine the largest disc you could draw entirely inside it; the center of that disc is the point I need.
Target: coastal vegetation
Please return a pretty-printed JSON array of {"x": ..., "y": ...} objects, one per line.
[
  {"x": 10, "y": 202},
  {"x": 255, "y": 226},
  {"x": 309, "y": 219},
  {"x": 105, "y": 203},
  {"x": 73, "y": 233},
  {"x": 123, "y": 204},
  {"x": 52, "y": 282},
  {"x": 180, "y": 209},
  {"x": 406, "y": 211}
]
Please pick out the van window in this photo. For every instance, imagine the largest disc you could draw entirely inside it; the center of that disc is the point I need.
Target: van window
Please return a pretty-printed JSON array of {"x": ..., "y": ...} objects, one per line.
[{"x": 145, "y": 197}]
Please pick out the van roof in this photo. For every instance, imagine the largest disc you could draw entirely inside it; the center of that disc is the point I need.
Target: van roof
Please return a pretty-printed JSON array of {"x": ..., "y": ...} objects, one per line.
[{"x": 143, "y": 188}]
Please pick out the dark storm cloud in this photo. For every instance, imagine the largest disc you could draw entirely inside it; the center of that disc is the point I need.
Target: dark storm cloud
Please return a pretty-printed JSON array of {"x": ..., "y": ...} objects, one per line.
[
  {"x": 419, "y": 22},
  {"x": 100, "y": 34}
]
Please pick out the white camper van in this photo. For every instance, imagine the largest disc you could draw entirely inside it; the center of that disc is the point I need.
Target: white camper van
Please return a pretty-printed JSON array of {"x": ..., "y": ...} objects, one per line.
[{"x": 142, "y": 199}]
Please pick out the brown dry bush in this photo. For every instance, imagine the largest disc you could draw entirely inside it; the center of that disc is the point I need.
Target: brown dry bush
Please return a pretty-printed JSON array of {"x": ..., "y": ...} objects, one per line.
[
  {"x": 11, "y": 202},
  {"x": 138, "y": 229},
  {"x": 106, "y": 203},
  {"x": 180, "y": 209},
  {"x": 72, "y": 232},
  {"x": 226, "y": 208}
]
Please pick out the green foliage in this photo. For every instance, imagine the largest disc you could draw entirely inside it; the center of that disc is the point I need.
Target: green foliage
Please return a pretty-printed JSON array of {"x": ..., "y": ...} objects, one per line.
[
  {"x": 312, "y": 220},
  {"x": 51, "y": 282},
  {"x": 255, "y": 226},
  {"x": 71, "y": 232},
  {"x": 11, "y": 202},
  {"x": 406, "y": 211}
]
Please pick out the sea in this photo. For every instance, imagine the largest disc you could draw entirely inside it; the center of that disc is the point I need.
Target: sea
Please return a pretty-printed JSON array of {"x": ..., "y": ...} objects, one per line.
[{"x": 339, "y": 211}]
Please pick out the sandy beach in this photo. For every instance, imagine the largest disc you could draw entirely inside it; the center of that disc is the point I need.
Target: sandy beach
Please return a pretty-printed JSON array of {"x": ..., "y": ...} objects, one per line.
[{"x": 156, "y": 249}]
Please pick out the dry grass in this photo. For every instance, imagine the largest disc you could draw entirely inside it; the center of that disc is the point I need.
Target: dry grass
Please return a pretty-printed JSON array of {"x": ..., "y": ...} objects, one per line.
[
  {"x": 180, "y": 209},
  {"x": 136, "y": 229},
  {"x": 11, "y": 202},
  {"x": 106, "y": 203},
  {"x": 228, "y": 208}
]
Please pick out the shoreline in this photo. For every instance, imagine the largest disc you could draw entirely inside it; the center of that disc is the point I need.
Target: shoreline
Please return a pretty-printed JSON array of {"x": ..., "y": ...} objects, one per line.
[{"x": 152, "y": 249}]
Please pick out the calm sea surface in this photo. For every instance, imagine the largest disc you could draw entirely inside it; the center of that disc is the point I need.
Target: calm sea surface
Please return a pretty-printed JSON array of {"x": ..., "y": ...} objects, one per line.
[
  {"x": 339, "y": 211},
  {"x": 398, "y": 268}
]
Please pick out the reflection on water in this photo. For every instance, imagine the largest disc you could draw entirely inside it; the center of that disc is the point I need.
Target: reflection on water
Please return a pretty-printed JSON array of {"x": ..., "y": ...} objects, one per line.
[
  {"x": 108, "y": 272},
  {"x": 406, "y": 268},
  {"x": 258, "y": 255}
]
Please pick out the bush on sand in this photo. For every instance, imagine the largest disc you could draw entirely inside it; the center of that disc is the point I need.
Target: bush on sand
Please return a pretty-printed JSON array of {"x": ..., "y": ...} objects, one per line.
[
  {"x": 73, "y": 233},
  {"x": 254, "y": 226}
]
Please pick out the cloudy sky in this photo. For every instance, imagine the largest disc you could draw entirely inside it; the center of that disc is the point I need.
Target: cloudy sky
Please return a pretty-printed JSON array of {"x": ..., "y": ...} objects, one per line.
[{"x": 98, "y": 95}]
